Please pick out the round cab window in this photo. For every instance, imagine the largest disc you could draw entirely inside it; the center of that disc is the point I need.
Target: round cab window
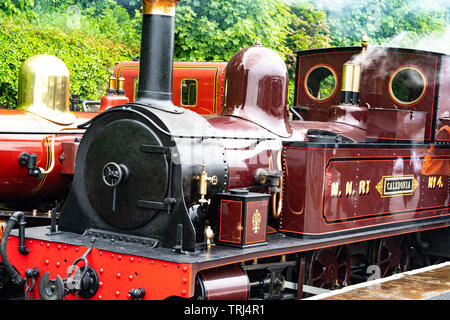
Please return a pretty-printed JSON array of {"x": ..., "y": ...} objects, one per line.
[
  {"x": 407, "y": 85},
  {"x": 320, "y": 82}
]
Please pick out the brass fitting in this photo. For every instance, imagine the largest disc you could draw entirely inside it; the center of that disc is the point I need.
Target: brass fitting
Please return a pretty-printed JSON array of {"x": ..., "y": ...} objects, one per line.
[
  {"x": 120, "y": 86},
  {"x": 111, "y": 85},
  {"x": 160, "y": 7},
  {"x": 364, "y": 41},
  {"x": 209, "y": 235},
  {"x": 44, "y": 88},
  {"x": 112, "y": 82},
  {"x": 351, "y": 75},
  {"x": 203, "y": 180}
]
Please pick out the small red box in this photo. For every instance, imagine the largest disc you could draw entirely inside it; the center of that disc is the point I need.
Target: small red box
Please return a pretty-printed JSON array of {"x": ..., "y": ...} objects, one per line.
[{"x": 242, "y": 218}]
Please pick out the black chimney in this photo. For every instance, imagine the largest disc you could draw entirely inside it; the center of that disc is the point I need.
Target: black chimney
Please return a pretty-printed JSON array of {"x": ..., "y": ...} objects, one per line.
[{"x": 156, "y": 58}]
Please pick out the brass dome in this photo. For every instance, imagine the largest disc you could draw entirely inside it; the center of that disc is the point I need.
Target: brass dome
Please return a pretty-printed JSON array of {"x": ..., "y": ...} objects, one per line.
[{"x": 44, "y": 88}]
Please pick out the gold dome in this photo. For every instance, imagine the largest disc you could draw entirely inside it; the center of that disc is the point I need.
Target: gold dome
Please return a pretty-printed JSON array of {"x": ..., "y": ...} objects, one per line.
[{"x": 44, "y": 88}]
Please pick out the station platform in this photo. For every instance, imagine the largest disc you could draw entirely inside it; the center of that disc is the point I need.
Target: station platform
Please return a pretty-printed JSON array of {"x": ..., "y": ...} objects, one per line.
[{"x": 429, "y": 283}]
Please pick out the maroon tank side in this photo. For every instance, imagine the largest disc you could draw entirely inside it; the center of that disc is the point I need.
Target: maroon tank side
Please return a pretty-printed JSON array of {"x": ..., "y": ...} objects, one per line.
[
  {"x": 244, "y": 157},
  {"x": 361, "y": 187}
]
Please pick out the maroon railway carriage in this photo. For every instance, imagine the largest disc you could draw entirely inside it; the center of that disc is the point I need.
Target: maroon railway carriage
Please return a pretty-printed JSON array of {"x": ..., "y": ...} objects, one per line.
[{"x": 260, "y": 202}]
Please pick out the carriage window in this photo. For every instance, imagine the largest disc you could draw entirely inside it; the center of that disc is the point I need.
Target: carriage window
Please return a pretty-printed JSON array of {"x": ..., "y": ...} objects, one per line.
[
  {"x": 320, "y": 82},
  {"x": 407, "y": 85},
  {"x": 188, "y": 92}
]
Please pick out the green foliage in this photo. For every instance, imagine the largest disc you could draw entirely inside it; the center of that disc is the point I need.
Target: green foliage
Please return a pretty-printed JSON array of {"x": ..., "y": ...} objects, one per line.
[
  {"x": 382, "y": 20},
  {"x": 101, "y": 19},
  {"x": 89, "y": 36},
  {"x": 89, "y": 60},
  {"x": 216, "y": 29},
  {"x": 308, "y": 29},
  {"x": 17, "y": 7},
  {"x": 87, "y": 6},
  {"x": 92, "y": 35}
]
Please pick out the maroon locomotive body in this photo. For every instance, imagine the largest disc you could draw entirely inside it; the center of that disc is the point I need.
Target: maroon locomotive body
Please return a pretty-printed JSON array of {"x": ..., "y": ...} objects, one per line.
[{"x": 262, "y": 201}]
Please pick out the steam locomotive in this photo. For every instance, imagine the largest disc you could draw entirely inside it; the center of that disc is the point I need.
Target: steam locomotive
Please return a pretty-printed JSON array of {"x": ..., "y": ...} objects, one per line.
[
  {"x": 42, "y": 133},
  {"x": 168, "y": 204}
]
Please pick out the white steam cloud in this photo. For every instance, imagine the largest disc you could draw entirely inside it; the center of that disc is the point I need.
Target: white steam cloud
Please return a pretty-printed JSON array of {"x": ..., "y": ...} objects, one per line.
[{"x": 436, "y": 42}]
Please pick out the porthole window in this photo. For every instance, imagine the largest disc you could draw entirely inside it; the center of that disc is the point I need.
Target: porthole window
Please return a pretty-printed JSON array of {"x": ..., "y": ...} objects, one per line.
[
  {"x": 320, "y": 82},
  {"x": 188, "y": 92},
  {"x": 407, "y": 85}
]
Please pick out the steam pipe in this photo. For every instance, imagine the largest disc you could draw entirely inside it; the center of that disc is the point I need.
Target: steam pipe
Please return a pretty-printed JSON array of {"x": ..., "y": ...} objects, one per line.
[
  {"x": 16, "y": 217},
  {"x": 52, "y": 165}
]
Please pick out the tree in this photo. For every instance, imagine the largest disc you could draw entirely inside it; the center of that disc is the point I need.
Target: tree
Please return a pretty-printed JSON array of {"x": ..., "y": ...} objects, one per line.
[
  {"x": 88, "y": 6},
  {"x": 308, "y": 29},
  {"x": 381, "y": 20},
  {"x": 216, "y": 29},
  {"x": 90, "y": 48},
  {"x": 17, "y": 7}
]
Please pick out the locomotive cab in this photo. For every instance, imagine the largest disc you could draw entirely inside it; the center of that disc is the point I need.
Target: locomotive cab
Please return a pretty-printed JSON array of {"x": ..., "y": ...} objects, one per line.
[
  {"x": 392, "y": 95},
  {"x": 389, "y": 96}
]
